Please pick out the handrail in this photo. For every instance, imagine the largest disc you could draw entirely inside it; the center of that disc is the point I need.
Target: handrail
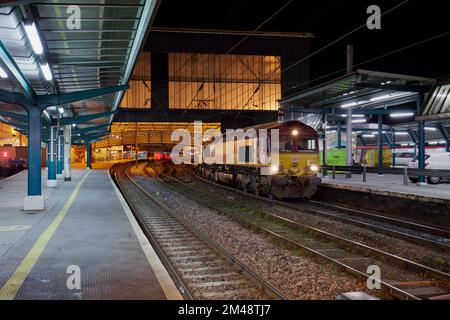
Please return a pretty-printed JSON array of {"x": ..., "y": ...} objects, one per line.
[{"x": 399, "y": 171}]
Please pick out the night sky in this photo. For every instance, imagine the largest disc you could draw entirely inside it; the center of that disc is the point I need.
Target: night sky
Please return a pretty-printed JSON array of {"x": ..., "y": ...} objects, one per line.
[{"x": 412, "y": 22}]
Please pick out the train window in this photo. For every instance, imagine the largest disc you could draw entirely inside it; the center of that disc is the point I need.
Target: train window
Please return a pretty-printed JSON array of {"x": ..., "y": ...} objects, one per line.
[
  {"x": 246, "y": 154},
  {"x": 285, "y": 144},
  {"x": 306, "y": 144}
]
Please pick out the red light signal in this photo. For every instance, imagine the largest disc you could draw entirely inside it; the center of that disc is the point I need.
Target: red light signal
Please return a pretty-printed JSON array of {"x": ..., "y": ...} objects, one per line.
[{"x": 5, "y": 154}]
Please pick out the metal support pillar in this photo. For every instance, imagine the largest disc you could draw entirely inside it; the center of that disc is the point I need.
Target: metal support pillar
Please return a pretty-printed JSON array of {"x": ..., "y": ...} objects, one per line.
[
  {"x": 67, "y": 152},
  {"x": 324, "y": 144},
  {"x": 34, "y": 200},
  {"x": 60, "y": 156},
  {"x": 51, "y": 163},
  {"x": 446, "y": 138},
  {"x": 349, "y": 144},
  {"x": 349, "y": 112},
  {"x": 339, "y": 135},
  {"x": 88, "y": 155},
  {"x": 380, "y": 145},
  {"x": 421, "y": 138},
  {"x": 421, "y": 147}
]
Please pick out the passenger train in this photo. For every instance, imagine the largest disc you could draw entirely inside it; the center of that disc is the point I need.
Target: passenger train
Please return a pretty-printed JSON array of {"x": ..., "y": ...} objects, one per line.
[{"x": 296, "y": 176}]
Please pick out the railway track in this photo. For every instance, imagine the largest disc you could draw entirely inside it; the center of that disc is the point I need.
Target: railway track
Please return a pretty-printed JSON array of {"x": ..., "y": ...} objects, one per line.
[
  {"x": 200, "y": 268},
  {"x": 416, "y": 233},
  {"x": 409, "y": 231},
  {"x": 403, "y": 278}
]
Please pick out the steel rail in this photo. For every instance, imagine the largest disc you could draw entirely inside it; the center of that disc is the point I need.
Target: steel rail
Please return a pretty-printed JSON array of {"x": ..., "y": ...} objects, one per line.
[
  {"x": 268, "y": 289},
  {"x": 390, "y": 232},
  {"x": 396, "y": 260}
]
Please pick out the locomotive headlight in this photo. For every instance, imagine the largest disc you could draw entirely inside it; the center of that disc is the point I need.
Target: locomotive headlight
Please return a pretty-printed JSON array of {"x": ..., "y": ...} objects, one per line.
[
  {"x": 314, "y": 168},
  {"x": 275, "y": 169},
  {"x": 295, "y": 132}
]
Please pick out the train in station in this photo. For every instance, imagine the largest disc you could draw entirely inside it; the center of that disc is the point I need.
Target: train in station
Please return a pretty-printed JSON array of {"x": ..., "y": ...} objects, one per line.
[{"x": 296, "y": 176}]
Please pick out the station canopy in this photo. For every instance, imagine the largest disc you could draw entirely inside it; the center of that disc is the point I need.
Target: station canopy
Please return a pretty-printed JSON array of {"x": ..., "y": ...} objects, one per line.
[
  {"x": 437, "y": 107},
  {"x": 99, "y": 53},
  {"x": 361, "y": 90},
  {"x": 371, "y": 94}
]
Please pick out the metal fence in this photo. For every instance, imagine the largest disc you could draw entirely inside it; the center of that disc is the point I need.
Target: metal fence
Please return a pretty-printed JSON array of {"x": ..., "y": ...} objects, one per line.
[{"x": 405, "y": 172}]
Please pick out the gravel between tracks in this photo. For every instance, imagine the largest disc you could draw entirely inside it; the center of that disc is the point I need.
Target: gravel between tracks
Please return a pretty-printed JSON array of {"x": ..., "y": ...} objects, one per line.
[
  {"x": 298, "y": 277},
  {"x": 437, "y": 259},
  {"x": 421, "y": 254}
]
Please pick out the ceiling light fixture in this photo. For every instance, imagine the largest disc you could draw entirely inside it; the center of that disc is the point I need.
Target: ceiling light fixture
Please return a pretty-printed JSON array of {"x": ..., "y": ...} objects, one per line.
[
  {"x": 47, "y": 72},
  {"x": 3, "y": 74},
  {"x": 380, "y": 98},
  {"x": 349, "y": 105},
  {"x": 33, "y": 36},
  {"x": 354, "y": 116},
  {"x": 402, "y": 115}
]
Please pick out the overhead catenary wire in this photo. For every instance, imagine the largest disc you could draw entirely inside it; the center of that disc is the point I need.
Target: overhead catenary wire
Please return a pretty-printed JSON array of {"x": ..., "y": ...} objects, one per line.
[
  {"x": 271, "y": 17},
  {"x": 331, "y": 44},
  {"x": 435, "y": 37}
]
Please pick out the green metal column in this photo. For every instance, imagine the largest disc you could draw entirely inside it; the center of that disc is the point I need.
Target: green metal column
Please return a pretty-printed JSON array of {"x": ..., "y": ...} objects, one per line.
[
  {"x": 339, "y": 135},
  {"x": 421, "y": 148},
  {"x": 394, "y": 147},
  {"x": 60, "y": 150},
  {"x": 421, "y": 138},
  {"x": 380, "y": 145},
  {"x": 446, "y": 138},
  {"x": 51, "y": 182},
  {"x": 324, "y": 151},
  {"x": 34, "y": 200},
  {"x": 67, "y": 153}
]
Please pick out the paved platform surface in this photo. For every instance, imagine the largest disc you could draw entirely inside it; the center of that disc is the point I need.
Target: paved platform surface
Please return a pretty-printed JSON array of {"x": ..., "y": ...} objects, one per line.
[
  {"x": 390, "y": 183},
  {"x": 85, "y": 245}
]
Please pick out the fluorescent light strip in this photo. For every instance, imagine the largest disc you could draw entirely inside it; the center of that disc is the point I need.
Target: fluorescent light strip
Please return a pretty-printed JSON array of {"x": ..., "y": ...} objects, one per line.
[
  {"x": 402, "y": 115},
  {"x": 368, "y": 136},
  {"x": 349, "y": 105},
  {"x": 402, "y": 134},
  {"x": 430, "y": 129},
  {"x": 354, "y": 116},
  {"x": 359, "y": 121},
  {"x": 3, "y": 74},
  {"x": 34, "y": 38},
  {"x": 380, "y": 98},
  {"x": 47, "y": 72}
]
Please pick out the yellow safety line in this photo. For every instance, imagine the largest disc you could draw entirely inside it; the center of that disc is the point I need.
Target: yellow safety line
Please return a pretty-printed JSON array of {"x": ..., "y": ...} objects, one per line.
[{"x": 13, "y": 285}]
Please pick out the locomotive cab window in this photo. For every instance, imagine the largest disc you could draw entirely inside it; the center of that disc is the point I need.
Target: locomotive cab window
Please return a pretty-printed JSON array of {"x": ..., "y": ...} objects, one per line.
[
  {"x": 285, "y": 144},
  {"x": 306, "y": 144}
]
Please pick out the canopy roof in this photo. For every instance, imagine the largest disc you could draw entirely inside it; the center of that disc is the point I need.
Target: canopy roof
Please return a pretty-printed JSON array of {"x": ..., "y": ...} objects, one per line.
[{"x": 100, "y": 54}]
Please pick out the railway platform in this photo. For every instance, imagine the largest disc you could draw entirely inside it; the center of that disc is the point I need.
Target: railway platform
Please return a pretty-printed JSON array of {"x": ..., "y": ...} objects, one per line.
[
  {"x": 426, "y": 204},
  {"x": 391, "y": 184},
  {"x": 85, "y": 245}
]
